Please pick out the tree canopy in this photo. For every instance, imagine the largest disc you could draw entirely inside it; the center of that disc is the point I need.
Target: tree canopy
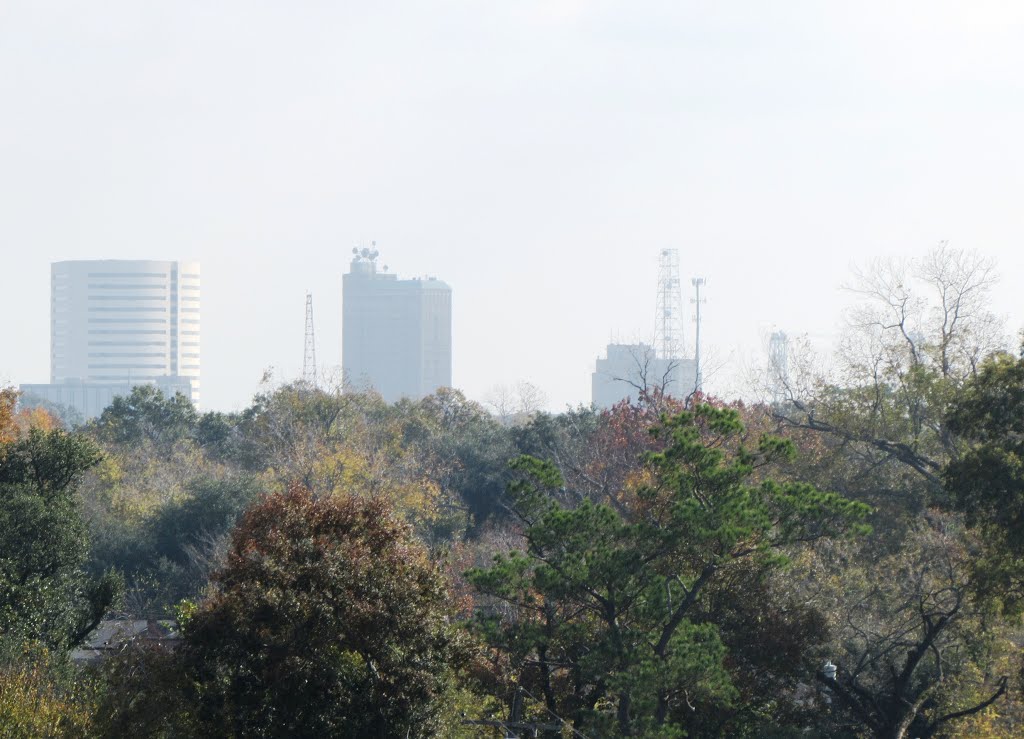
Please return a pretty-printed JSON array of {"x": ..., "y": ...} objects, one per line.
[
  {"x": 606, "y": 623},
  {"x": 328, "y": 620},
  {"x": 45, "y": 594}
]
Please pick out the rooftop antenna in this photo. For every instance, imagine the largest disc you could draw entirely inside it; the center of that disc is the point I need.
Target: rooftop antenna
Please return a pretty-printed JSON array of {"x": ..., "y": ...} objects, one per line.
[
  {"x": 309, "y": 355},
  {"x": 668, "y": 322},
  {"x": 698, "y": 283}
]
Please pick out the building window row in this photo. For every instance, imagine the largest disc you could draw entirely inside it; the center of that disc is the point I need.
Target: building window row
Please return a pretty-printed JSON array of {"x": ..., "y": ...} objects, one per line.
[
  {"x": 151, "y": 286},
  {"x": 128, "y": 297},
  {"x": 125, "y": 378},
  {"x": 127, "y": 354},
  {"x": 125, "y": 342},
  {"x": 127, "y": 274},
  {"x": 132, "y": 331},
  {"x": 129, "y": 366},
  {"x": 154, "y": 319},
  {"x": 140, "y": 309}
]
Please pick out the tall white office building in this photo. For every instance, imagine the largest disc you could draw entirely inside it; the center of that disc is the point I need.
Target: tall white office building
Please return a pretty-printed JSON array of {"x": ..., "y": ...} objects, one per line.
[
  {"x": 396, "y": 334},
  {"x": 119, "y": 323}
]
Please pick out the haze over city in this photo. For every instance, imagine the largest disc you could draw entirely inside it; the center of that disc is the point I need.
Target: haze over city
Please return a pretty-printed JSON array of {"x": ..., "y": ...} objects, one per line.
[
  {"x": 536, "y": 156},
  {"x": 537, "y": 368}
]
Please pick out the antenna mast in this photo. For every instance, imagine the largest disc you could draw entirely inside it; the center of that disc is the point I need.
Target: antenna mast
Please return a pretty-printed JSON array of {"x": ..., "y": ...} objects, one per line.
[
  {"x": 309, "y": 356},
  {"x": 668, "y": 323},
  {"x": 698, "y": 283}
]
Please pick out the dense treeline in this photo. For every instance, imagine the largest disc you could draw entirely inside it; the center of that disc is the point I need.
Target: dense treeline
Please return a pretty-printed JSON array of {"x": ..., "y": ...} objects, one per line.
[{"x": 845, "y": 561}]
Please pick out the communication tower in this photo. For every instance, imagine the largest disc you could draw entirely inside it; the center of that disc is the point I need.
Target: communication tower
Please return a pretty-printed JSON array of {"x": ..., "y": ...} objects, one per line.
[
  {"x": 698, "y": 283},
  {"x": 668, "y": 324},
  {"x": 309, "y": 355}
]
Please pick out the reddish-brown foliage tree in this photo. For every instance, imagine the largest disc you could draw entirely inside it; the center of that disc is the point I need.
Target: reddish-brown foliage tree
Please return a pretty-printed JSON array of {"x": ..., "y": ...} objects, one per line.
[{"x": 329, "y": 620}]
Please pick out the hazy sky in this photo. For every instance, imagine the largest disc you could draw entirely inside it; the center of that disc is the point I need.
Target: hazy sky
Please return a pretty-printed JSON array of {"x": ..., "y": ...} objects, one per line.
[{"x": 536, "y": 155}]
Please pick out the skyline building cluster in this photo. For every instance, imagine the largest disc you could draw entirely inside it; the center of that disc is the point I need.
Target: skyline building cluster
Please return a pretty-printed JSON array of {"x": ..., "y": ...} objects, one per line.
[
  {"x": 116, "y": 324},
  {"x": 632, "y": 372}
]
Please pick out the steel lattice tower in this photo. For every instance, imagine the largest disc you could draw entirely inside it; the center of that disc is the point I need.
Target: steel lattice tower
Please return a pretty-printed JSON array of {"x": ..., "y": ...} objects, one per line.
[
  {"x": 309, "y": 356},
  {"x": 668, "y": 324}
]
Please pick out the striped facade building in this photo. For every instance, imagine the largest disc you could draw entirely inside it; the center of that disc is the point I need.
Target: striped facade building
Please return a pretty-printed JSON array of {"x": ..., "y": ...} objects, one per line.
[{"x": 119, "y": 323}]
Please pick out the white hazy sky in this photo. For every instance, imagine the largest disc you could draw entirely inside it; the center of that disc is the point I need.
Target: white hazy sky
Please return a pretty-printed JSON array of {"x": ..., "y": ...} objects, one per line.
[{"x": 535, "y": 154}]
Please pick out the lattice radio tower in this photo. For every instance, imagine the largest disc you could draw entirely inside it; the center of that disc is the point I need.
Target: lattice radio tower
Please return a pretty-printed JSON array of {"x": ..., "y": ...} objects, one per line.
[
  {"x": 309, "y": 356},
  {"x": 668, "y": 324}
]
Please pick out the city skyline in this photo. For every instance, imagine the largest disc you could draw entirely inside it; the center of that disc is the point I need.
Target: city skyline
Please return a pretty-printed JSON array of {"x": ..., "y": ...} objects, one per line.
[{"x": 538, "y": 156}]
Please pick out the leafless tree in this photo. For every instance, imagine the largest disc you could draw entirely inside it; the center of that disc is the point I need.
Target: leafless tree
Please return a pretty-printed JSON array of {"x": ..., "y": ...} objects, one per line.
[
  {"x": 653, "y": 380},
  {"x": 516, "y": 405},
  {"x": 919, "y": 329}
]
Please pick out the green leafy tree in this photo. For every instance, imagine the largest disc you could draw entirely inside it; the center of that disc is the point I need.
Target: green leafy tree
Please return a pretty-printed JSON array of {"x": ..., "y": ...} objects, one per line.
[
  {"x": 146, "y": 414},
  {"x": 471, "y": 447},
  {"x": 44, "y": 593},
  {"x": 600, "y": 616},
  {"x": 41, "y": 697},
  {"x": 328, "y": 620},
  {"x": 987, "y": 480}
]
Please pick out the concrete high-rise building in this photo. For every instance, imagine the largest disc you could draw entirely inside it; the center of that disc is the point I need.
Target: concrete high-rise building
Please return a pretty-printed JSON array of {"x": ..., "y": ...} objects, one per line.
[
  {"x": 119, "y": 323},
  {"x": 626, "y": 369},
  {"x": 396, "y": 334}
]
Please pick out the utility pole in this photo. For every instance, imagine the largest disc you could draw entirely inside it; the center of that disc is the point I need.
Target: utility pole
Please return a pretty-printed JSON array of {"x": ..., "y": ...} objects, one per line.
[
  {"x": 698, "y": 283},
  {"x": 309, "y": 355}
]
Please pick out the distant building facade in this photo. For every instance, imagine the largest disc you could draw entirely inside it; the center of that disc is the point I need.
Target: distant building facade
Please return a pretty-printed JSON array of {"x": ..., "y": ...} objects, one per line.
[
  {"x": 119, "y": 323},
  {"x": 81, "y": 401},
  {"x": 396, "y": 334},
  {"x": 627, "y": 368}
]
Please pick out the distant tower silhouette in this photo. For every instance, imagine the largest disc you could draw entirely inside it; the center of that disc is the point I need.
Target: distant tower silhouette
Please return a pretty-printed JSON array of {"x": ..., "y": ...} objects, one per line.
[
  {"x": 778, "y": 366},
  {"x": 309, "y": 356},
  {"x": 698, "y": 283},
  {"x": 668, "y": 324}
]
